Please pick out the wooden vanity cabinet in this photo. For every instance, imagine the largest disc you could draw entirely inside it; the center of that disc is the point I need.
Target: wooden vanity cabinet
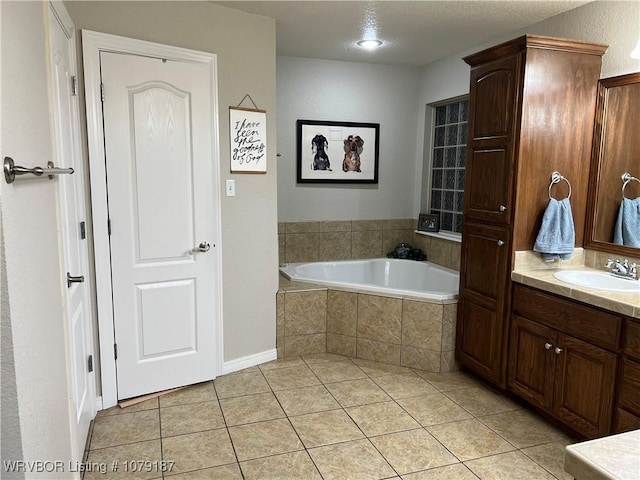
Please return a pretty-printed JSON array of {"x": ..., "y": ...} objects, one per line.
[
  {"x": 627, "y": 415},
  {"x": 531, "y": 111},
  {"x": 563, "y": 359}
]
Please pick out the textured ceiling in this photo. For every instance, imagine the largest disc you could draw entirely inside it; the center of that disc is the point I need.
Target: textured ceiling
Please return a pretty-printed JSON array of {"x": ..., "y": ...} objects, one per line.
[{"x": 414, "y": 33}]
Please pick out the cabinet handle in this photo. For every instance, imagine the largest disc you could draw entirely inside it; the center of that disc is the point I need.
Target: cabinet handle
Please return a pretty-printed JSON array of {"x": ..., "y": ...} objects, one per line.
[
  {"x": 502, "y": 208},
  {"x": 558, "y": 350},
  {"x": 547, "y": 346},
  {"x": 500, "y": 243}
]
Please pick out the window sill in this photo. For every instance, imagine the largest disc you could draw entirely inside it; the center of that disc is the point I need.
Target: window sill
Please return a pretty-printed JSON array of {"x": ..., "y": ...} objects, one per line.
[{"x": 450, "y": 236}]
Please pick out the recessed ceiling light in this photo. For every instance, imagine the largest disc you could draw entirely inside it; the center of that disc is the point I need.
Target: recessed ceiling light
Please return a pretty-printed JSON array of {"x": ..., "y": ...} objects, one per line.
[{"x": 369, "y": 44}]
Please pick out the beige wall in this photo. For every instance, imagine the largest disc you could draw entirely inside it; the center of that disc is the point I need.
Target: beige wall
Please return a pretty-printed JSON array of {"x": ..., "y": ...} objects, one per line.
[
  {"x": 32, "y": 289},
  {"x": 245, "y": 49}
]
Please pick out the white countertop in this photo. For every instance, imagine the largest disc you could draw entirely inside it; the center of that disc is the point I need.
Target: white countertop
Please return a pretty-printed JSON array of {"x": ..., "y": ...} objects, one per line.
[{"x": 616, "y": 457}]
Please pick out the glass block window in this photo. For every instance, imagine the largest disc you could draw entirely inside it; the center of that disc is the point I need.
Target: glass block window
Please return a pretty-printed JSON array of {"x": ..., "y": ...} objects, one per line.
[{"x": 449, "y": 162}]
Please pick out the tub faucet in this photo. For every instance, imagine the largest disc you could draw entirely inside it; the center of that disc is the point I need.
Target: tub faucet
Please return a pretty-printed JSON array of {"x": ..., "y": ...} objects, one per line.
[{"x": 622, "y": 268}]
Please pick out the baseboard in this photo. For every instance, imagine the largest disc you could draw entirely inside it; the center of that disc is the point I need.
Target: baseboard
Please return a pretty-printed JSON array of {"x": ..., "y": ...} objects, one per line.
[{"x": 249, "y": 361}]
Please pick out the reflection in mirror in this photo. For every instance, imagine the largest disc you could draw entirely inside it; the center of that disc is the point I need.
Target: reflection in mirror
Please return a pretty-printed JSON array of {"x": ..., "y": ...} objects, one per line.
[{"x": 616, "y": 151}]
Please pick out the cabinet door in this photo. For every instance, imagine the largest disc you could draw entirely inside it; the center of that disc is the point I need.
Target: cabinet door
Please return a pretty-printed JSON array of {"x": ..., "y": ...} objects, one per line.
[
  {"x": 585, "y": 377},
  {"x": 531, "y": 361},
  {"x": 493, "y": 108},
  {"x": 484, "y": 288}
]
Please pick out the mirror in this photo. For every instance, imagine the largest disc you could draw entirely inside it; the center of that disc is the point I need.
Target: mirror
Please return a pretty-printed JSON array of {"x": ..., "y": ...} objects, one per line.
[{"x": 616, "y": 151}]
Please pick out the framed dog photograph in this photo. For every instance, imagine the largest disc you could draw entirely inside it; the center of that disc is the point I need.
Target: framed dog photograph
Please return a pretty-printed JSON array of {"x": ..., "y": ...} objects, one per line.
[
  {"x": 428, "y": 222},
  {"x": 337, "y": 152}
]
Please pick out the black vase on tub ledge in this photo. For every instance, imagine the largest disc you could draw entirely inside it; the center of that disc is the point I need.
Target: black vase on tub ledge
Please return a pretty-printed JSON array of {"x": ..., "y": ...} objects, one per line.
[{"x": 406, "y": 251}]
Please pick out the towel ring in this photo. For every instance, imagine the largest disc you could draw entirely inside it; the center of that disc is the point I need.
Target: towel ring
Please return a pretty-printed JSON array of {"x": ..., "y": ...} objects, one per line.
[
  {"x": 555, "y": 178},
  {"x": 626, "y": 179}
]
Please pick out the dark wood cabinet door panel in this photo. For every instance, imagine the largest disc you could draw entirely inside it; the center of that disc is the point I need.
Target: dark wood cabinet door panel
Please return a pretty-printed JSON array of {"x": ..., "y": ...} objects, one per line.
[
  {"x": 625, "y": 422},
  {"x": 585, "y": 378},
  {"x": 485, "y": 253},
  {"x": 630, "y": 389},
  {"x": 531, "y": 361},
  {"x": 479, "y": 340},
  {"x": 488, "y": 184},
  {"x": 493, "y": 94},
  {"x": 632, "y": 341},
  {"x": 596, "y": 326}
]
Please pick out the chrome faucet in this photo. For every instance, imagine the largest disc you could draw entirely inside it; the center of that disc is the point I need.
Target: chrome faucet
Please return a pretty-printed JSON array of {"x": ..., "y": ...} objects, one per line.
[{"x": 622, "y": 269}]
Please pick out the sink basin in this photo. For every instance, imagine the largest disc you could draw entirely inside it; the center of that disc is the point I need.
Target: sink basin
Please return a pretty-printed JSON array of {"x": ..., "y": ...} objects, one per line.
[{"x": 598, "y": 280}]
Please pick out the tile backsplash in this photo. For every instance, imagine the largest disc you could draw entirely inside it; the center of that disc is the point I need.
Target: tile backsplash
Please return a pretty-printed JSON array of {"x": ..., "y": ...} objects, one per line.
[{"x": 325, "y": 241}]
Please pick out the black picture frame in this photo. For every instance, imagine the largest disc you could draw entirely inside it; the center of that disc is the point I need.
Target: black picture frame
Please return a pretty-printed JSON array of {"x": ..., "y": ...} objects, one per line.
[
  {"x": 428, "y": 222},
  {"x": 322, "y": 148}
]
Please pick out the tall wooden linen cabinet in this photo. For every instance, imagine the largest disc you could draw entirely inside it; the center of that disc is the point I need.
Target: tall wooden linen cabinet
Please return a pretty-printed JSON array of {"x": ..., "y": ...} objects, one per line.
[{"x": 531, "y": 112}]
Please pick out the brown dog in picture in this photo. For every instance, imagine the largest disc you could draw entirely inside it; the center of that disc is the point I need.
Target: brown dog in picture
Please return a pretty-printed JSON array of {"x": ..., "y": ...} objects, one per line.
[{"x": 352, "y": 150}]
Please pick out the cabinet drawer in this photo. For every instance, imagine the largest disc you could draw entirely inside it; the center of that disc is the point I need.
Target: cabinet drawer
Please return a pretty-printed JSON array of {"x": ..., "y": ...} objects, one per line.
[
  {"x": 625, "y": 422},
  {"x": 595, "y": 326},
  {"x": 630, "y": 388},
  {"x": 632, "y": 343}
]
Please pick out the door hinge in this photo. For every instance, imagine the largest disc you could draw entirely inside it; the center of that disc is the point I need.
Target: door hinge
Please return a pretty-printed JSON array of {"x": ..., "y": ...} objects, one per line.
[
  {"x": 90, "y": 363},
  {"x": 109, "y": 226},
  {"x": 83, "y": 230},
  {"x": 102, "y": 92},
  {"x": 115, "y": 350},
  {"x": 74, "y": 86}
]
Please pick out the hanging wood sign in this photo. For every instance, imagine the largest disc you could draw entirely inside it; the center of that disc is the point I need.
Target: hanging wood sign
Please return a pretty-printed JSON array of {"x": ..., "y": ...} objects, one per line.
[{"x": 248, "y": 134}]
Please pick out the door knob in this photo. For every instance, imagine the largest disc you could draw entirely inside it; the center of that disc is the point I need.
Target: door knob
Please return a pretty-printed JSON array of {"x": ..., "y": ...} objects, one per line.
[
  {"x": 71, "y": 279},
  {"x": 547, "y": 346},
  {"x": 203, "y": 247}
]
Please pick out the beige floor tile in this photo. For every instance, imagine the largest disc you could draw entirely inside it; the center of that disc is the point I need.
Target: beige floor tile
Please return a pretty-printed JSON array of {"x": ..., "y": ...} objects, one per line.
[
  {"x": 381, "y": 418},
  {"x": 480, "y": 401},
  {"x": 469, "y": 439},
  {"x": 357, "y": 392},
  {"x": 450, "y": 472},
  {"x": 324, "y": 428},
  {"x": 138, "y": 407},
  {"x": 299, "y": 401},
  {"x": 377, "y": 369},
  {"x": 111, "y": 463},
  {"x": 550, "y": 457},
  {"x": 522, "y": 428},
  {"x": 349, "y": 461},
  {"x": 412, "y": 451},
  {"x": 433, "y": 409},
  {"x": 224, "y": 472},
  {"x": 290, "y": 466},
  {"x": 251, "y": 408},
  {"x": 323, "y": 358},
  {"x": 262, "y": 439},
  {"x": 190, "y": 418},
  {"x": 508, "y": 466},
  {"x": 291, "y": 377},
  {"x": 201, "y": 392},
  {"x": 282, "y": 363},
  {"x": 196, "y": 451},
  {"x": 404, "y": 386},
  {"x": 240, "y": 384},
  {"x": 446, "y": 382},
  {"x": 331, "y": 372},
  {"x": 113, "y": 430}
]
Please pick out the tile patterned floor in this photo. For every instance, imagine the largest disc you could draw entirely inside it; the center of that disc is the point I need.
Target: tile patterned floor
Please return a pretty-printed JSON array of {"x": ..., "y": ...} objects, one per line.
[{"x": 328, "y": 417}]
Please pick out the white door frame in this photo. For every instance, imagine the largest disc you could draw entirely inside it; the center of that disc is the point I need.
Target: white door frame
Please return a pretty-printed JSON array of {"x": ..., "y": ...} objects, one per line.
[{"x": 92, "y": 44}]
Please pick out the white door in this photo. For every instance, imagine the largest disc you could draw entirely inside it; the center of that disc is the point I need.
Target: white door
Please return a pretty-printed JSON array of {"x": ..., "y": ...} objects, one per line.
[
  {"x": 158, "y": 128},
  {"x": 65, "y": 112}
]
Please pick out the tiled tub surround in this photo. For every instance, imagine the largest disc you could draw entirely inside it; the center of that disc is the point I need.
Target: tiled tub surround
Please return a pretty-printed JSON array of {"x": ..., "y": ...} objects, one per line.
[
  {"x": 392, "y": 330},
  {"x": 346, "y": 240}
]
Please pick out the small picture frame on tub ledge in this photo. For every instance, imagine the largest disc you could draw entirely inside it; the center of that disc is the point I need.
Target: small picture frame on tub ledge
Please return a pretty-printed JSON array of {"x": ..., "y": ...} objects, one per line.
[{"x": 428, "y": 222}]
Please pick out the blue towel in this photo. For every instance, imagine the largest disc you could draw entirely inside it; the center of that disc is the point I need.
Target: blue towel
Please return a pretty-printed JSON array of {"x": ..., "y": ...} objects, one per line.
[
  {"x": 557, "y": 235},
  {"x": 627, "y": 229}
]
